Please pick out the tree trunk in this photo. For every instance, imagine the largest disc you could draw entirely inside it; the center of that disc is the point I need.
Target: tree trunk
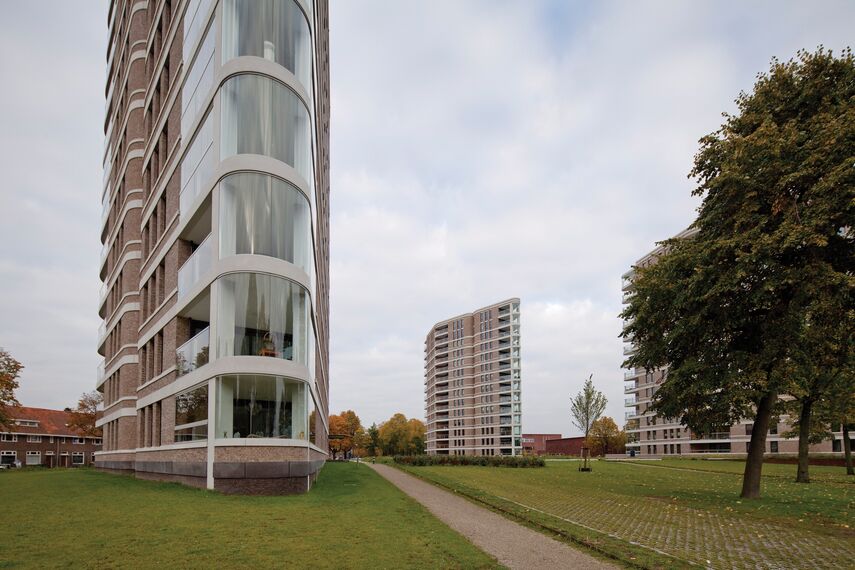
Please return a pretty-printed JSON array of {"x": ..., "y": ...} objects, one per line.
[
  {"x": 757, "y": 447},
  {"x": 802, "y": 473},
  {"x": 847, "y": 450}
]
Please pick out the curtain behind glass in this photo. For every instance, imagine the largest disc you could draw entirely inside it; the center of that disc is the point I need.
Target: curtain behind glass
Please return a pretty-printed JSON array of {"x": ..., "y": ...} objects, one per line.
[
  {"x": 276, "y": 30},
  {"x": 262, "y": 315},
  {"x": 250, "y": 406},
  {"x": 263, "y": 215},
  {"x": 262, "y": 116}
]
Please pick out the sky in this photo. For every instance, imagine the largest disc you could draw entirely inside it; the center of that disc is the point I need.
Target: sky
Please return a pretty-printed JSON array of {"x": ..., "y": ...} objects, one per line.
[{"x": 480, "y": 151}]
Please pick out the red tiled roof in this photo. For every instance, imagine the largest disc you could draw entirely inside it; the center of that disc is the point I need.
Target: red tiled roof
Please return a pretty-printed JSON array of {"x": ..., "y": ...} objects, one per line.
[{"x": 51, "y": 422}]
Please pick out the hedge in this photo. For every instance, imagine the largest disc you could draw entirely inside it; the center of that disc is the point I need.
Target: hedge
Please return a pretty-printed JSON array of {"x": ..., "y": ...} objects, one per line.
[{"x": 479, "y": 460}]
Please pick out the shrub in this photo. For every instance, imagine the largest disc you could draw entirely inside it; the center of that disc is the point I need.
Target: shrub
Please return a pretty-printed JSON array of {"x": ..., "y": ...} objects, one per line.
[{"x": 479, "y": 460}]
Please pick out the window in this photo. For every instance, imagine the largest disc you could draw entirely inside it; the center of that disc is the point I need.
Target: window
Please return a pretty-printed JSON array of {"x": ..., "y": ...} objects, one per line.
[
  {"x": 34, "y": 439},
  {"x": 263, "y": 315},
  {"x": 27, "y": 423},
  {"x": 191, "y": 415},
  {"x": 255, "y": 406},
  {"x": 8, "y": 457},
  {"x": 78, "y": 458},
  {"x": 276, "y": 30},
  {"x": 10, "y": 437},
  {"x": 34, "y": 458},
  {"x": 79, "y": 440},
  {"x": 263, "y": 116},
  {"x": 263, "y": 215},
  {"x": 773, "y": 447},
  {"x": 97, "y": 441}
]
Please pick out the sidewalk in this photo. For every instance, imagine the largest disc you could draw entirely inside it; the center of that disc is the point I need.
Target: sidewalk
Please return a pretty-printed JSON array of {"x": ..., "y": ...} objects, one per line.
[{"x": 513, "y": 545}]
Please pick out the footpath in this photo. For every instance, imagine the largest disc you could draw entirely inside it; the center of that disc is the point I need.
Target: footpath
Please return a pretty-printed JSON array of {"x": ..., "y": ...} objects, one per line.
[{"x": 512, "y": 544}]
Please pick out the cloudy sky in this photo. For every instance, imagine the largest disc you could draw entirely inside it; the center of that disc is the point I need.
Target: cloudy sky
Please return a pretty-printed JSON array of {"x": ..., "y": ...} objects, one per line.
[{"x": 480, "y": 150}]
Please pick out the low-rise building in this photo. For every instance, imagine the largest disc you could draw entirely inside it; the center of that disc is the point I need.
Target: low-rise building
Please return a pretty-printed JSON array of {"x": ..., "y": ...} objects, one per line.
[
  {"x": 565, "y": 446},
  {"x": 535, "y": 443},
  {"x": 36, "y": 436}
]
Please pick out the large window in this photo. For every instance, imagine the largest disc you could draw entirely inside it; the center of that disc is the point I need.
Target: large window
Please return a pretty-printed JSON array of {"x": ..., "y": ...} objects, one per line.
[
  {"x": 191, "y": 415},
  {"x": 276, "y": 30},
  {"x": 263, "y": 215},
  {"x": 262, "y": 116},
  {"x": 253, "y": 406},
  {"x": 262, "y": 315}
]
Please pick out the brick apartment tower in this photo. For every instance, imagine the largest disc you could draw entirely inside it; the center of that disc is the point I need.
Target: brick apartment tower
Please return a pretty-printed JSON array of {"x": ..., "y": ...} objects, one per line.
[
  {"x": 215, "y": 257},
  {"x": 472, "y": 383},
  {"x": 653, "y": 435}
]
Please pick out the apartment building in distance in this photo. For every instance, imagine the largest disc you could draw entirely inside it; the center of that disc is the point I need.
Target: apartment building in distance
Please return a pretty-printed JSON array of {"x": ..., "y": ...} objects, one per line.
[
  {"x": 215, "y": 233},
  {"x": 41, "y": 437},
  {"x": 649, "y": 434},
  {"x": 472, "y": 383}
]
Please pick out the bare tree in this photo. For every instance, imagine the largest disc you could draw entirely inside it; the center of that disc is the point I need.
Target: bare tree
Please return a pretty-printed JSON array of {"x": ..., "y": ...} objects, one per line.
[{"x": 587, "y": 406}]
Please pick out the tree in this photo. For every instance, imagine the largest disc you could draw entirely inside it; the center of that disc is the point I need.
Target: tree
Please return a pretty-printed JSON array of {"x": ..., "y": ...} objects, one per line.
[
  {"x": 10, "y": 369},
  {"x": 725, "y": 310},
  {"x": 415, "y": 436},
  {"x": 587, "y": 406},
  {"x": 394, "y": 435},
  {"x": 84, "y": 415},
  {"x": 346, "y": 433},
  {"x": 338, "y": 436},
  {"x": 606, "y": 437},
  {"x": 373, "y": 442}
]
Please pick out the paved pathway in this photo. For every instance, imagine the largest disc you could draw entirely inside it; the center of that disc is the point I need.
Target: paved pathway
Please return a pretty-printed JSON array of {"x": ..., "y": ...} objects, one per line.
[{"x": 513, "y": 545}]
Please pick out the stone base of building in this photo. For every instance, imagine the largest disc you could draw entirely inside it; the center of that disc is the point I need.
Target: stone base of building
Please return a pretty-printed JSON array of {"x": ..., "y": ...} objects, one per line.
[{"x": 234, "y": 478}]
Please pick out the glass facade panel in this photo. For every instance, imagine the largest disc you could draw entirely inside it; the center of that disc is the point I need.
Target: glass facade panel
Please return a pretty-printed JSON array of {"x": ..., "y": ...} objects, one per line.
[
  {"x": 200, "y": 80},
  {"x": 262, "y": 116},
  {"x": 191, "y": 406},
  {"x": 198, "y": 164},
  {"x": 263, "y": 215},
  {"x": 276, "y": 30},
  {"x": 253, "y": 406},
  {"x": 262, "y": 315}
]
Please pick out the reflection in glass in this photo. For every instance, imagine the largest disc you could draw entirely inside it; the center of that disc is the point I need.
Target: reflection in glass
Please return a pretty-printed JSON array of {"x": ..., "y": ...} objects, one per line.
[
  {"x": 262, "y": 315},
  {"x": 191, "y": 415},
  {"x": 253, "y": 406},
  {"x": 263, "y": 215}
]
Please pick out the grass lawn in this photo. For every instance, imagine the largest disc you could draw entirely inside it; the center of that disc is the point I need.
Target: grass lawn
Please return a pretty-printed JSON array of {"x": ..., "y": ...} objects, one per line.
[
  {"x": 674, "y": 512},
  {"x": 352, "y": 518}
]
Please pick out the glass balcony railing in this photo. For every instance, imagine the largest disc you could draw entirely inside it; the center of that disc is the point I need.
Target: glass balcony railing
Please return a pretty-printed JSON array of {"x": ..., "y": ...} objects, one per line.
[
  {"x": 629, "y": 402},
  {"x": 102, "y": 330},
  {"x": 99, "y": 372},
  {"x": 193, "y": 354},
  {"x": 195, "y": 266}
]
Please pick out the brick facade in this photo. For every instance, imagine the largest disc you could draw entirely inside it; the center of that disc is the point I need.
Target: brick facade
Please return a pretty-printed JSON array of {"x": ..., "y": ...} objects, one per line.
[{"x": 38, "y": 436}]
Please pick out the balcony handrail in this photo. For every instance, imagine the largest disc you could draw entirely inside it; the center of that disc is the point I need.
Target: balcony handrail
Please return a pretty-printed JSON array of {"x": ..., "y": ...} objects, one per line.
[{"x": 195, "y": 264}]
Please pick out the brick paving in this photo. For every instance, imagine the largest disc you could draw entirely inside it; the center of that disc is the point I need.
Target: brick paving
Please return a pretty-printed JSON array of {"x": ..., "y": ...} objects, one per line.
[{"x": 711, "y": 539}]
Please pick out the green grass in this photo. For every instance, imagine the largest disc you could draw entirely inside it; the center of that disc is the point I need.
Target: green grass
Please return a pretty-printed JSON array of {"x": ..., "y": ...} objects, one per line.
[
  {"x": 352, "y": 518},
  {"x": 676, "y": 511}
]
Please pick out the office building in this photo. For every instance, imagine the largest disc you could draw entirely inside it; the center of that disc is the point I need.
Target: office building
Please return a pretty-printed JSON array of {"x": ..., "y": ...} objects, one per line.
[
  {"x": 472, "y": 383},
  {"x": 215, "y": 232}
]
